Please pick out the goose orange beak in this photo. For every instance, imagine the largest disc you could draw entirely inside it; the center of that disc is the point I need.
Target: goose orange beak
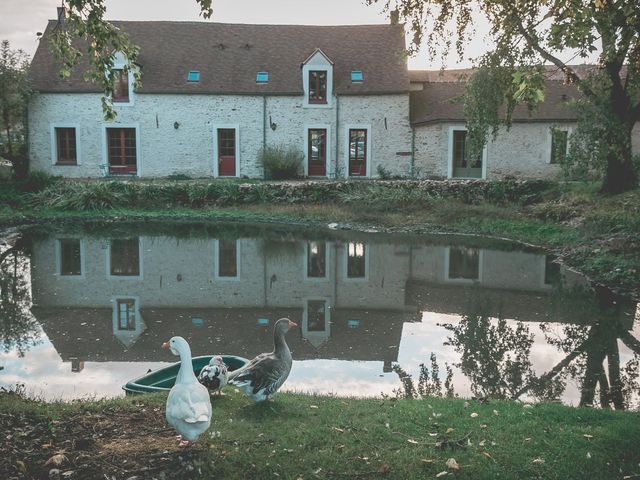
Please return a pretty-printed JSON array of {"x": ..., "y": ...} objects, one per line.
[
  {"x": 165, "y": 345},
  {"x": 292, "y": 324}
]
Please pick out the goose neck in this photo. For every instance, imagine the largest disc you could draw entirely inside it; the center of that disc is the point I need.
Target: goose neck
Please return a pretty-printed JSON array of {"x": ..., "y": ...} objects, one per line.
[{"x": 185, "y": 374}]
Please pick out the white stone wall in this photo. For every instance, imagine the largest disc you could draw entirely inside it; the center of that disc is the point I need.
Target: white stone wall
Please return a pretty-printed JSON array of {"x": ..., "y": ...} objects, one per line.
[
  {"x": 523, "y": 151},
  {"x": 189, "y": 149}
]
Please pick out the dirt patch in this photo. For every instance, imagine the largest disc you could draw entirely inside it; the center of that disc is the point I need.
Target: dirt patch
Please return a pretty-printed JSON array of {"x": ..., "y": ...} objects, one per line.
[{"x": 110, "y": 445}]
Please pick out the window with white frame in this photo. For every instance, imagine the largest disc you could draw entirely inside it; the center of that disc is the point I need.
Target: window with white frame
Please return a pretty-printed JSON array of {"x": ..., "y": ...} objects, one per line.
[
  {"x": 317, "y": 78},
  {"x": 559, "y": 145},
  {"x": 66, "y": 146}
]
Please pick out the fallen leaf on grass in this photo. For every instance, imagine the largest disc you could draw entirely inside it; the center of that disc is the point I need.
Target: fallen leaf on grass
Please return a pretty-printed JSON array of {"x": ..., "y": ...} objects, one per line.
[
  {"x": 426, "y": 461},
  {"x": 339, "y": 430},
  {"x": 488, "y": 455},
  {"x": 411, "y": 440},
  {"x": 433, "y": 434},
  {"x": 340, "y": 446},
  {"x": 449, "y": 430},
  {"x": 528, "y": 439},
  {"x": 452, "y": 464},
  {"x": 538, "y": 461},
  {"x": 587, "y": 436},
  {"x": 474, "y": 415},
  {"x": 57, "y": 459},
  {"x": 313, "y": 406},
  {"x": 482, "y": 442},
  {"x": 384, "y": 468},
  {"x": 442, "y": 474},
  {"x": 588, "y": 455},
  {"x": 483, "y": 426},
  {"x": 21, "y": 466},
  {"x": 495, "y": 412}
]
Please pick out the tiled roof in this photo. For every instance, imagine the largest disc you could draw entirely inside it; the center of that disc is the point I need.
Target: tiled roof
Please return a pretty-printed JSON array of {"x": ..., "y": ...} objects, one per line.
[
  {"x": 228, "y": 57},
  {"x": 436, "y": 102}
]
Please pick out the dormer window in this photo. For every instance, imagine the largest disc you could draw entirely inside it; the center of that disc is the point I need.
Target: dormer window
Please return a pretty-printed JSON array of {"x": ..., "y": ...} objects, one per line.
[
  {"x": 357, "y": 76},
  {"x": 121, "y": 87},
  {"x": 317, "y": 80},
  {"x": 193, "y": 76},
  {"x": 317, "y": 86},
  {"x": 262, "y": 77}
]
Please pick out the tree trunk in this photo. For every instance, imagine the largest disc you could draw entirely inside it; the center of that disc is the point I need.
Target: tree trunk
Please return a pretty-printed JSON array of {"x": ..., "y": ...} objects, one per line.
[{"x": 620, "y": 175}]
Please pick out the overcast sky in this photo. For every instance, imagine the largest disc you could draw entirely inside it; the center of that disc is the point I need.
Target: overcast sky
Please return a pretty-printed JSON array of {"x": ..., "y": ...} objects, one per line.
[{"x": 21, "y": 19}]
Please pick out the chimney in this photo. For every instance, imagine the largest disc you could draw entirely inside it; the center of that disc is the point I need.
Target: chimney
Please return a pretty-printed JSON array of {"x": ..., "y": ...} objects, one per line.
[
  {"x": 61, "y": 15},
  {"x": 394, "y": 17}
]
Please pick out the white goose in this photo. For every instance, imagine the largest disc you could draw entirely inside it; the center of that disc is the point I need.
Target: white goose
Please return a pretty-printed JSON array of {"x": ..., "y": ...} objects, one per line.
[
  {"x": 264, "y": 375},
  {"x": 188, "y": 404}
]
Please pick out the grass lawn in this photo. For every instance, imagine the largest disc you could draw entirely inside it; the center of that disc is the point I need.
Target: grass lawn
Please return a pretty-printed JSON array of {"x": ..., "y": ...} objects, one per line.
[{"x": 300, "y": 436}]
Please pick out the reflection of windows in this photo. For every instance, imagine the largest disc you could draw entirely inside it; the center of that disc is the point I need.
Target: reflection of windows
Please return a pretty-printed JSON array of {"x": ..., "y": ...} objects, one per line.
[
  {"x": 316, "y": 315},
  {"x": 464, "y": 263},
  {"x": 227, "y": 258},
  {"x": 125, "y": 257},
  {"x": 316, "y": 259},
  {"x": 356, "y": 260},
  {"x": 126, "y": 311},
  {"x": 551, "y": 271},
  {"x": 70, "y": 257}
]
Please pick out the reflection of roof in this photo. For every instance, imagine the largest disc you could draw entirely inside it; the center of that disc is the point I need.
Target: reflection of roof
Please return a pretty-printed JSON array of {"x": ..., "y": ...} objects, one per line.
[
  {"x": 437, "y": 103},
  {"x": 522, "y": 305},
  {"x": 228, "y": 57},
  {"x": 225, "y": 331}
]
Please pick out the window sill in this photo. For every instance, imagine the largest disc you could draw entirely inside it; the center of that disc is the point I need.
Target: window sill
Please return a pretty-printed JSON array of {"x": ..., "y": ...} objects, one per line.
[{"x": 65, "y": 164}]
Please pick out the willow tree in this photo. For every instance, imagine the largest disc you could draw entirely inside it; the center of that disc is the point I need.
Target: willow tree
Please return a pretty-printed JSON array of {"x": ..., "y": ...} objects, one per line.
[
  {"x": 82, "y": 30},
  {"x": 528, "y": 34}
]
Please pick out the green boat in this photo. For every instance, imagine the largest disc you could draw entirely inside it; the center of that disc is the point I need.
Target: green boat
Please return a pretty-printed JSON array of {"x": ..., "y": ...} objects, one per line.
[{"x": 163, "y": 379}]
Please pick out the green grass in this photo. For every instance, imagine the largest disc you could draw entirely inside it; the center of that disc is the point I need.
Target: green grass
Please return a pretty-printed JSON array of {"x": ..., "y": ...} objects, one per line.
[{"x": 301, "y": 436}]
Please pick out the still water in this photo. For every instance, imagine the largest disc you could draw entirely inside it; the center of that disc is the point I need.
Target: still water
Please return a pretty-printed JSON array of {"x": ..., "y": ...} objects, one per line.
[{"x": 85, "y": 309}]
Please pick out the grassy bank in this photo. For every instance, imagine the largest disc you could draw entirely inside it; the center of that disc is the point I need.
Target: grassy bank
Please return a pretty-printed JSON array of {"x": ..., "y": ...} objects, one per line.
[
  {"x": 599, "y": 235},
  {"x": 307, "y": 437}
]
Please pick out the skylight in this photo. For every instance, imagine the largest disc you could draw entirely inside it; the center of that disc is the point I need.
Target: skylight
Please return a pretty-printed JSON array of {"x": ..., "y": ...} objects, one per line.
[
  {"x": 193, "y": 76},
  {"x": 357, "y": 76},
  {"x": 262, "y": 77}
]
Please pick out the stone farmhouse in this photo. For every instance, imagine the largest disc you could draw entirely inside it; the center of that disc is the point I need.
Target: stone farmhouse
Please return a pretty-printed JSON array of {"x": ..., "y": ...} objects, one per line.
[{"x": 214, "y": 95}]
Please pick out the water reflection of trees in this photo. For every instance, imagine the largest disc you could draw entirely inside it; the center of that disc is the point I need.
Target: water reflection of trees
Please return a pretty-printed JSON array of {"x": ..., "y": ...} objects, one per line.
[
  {"x": 495, "y": 354},
  {"x": 19, "y": 330}
]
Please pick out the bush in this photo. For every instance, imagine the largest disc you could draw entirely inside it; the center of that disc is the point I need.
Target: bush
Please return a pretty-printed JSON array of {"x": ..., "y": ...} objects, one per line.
[
  {"x": 37, "y": 181},
  {"x": 281, "y": 162}
]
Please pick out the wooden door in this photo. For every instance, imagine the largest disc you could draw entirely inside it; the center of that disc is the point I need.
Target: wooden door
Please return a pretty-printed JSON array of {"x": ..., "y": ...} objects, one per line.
[
  {"x": 317, "y": 152},
  {"x": 226, "y": 152},
  {"x": 357, "y": 152}
]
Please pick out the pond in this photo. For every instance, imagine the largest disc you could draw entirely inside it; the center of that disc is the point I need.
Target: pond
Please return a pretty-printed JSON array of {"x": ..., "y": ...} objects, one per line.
[{"x": 85, "y": 308}]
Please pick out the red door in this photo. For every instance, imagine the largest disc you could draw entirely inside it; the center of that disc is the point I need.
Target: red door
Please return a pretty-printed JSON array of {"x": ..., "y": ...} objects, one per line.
[
  {"x": 317, "y": 152},
  {"x": 357, "y": 152},
  {"x": 226, "y": 152}
]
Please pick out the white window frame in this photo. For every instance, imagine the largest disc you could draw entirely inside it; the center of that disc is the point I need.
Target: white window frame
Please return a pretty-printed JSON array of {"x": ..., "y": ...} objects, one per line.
[
  {"x": 114, "y": 309},
  {"x": 118, "y": 64},
  {"x": 305, "y": 261},
  {"x": 316, "y": 338},
  {"x": 105, "y": 145},
  {"x": 59, "y": 259},
  {"x": 563, "y": 128},
  {"x": 345, "y": 268},
  {"x": 357, "y": 126},
  {"x": 140, "y": 276},
  {"x": 311, "y": 64},
  {"x": 447, "y": 254},
  {"x": 236, "y": 127},
  {"x": 454, "y": 128},
  {"x": 305, "y": 147},
  {"x": 216, "y": 262},
  {"x": 54, "y": 143}
]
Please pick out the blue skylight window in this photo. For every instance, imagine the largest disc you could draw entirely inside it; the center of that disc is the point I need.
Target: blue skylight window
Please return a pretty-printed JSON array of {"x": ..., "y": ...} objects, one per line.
[
  {"x": 357, "y": 76},
  {"x": 262, "y": 77},
  {"x": 193, "y": 76}
]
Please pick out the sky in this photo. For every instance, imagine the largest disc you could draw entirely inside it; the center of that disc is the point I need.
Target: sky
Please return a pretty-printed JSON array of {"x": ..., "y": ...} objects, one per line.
[{"x": 20, "y": 20}]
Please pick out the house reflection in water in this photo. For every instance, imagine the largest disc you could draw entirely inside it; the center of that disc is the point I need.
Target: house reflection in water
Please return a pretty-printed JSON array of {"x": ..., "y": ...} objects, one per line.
[{"x": 119, "y": 299}]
